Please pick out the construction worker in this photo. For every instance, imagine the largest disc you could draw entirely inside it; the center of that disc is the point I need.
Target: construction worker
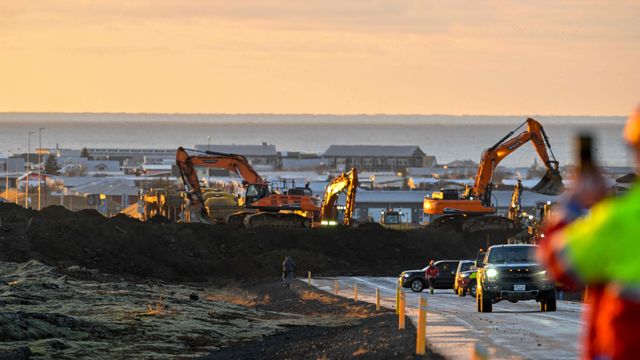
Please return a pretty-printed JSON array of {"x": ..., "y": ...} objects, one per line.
[
  {"x": 431, "y": 274},
  {"x": 288, "y": 266},
  {"x": 601, "y": 251}
]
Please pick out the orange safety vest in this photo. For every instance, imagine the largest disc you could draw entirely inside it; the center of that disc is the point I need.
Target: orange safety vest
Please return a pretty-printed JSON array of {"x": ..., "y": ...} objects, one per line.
[{"x": 602, "y": 251}]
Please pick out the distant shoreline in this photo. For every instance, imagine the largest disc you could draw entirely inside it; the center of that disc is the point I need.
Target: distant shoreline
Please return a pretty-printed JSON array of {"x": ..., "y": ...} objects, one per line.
[{"x": 307, "y": 114}]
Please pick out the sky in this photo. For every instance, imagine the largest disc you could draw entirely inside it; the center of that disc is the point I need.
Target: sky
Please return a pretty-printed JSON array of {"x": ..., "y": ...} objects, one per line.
[{"x": 497, "y": 57}]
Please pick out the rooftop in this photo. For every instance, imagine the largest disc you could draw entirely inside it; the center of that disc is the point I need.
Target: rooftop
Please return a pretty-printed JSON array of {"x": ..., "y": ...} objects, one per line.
[{"x": 374, "y": 150}]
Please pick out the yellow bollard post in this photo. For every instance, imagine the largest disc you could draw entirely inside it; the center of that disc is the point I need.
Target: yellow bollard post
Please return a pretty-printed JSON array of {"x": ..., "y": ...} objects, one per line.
[
  {"x": 421, "y": 347},
  {"x": 355, "y": 292},
  {"x": 377, "y": 299},
  {"x": 401, "y": 314},
  {"x": 397, "y": 299},
  {"x": 479, "y": 352},
  {"x": 336, "y": 287},
  {"x": 309, "y": 278}
]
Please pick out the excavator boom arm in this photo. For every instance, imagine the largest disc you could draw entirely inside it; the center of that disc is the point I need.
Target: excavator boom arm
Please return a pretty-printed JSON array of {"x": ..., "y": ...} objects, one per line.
[
  {"x": 492, "y": 156},
  {"x": 345, "y": 182},
  {"x": 187, "y": 165}
]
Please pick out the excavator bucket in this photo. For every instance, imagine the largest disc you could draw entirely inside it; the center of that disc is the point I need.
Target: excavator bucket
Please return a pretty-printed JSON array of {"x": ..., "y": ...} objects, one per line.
[{"x": 550, "y": 184}]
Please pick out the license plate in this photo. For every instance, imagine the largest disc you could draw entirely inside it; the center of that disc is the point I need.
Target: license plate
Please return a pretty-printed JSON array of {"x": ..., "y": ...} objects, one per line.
[{"x": 519, "y": 287}]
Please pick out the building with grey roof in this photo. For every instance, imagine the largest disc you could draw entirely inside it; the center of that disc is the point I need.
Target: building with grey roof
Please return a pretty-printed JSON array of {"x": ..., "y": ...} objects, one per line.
[{"x": 377, "y": 157}]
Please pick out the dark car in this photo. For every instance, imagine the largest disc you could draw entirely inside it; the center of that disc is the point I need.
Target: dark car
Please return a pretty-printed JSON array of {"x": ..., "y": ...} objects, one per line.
[
  {"x": 464, "y": 265},
  {"x": 512, "y": 272},
  {"x": 416, "y": 279}
]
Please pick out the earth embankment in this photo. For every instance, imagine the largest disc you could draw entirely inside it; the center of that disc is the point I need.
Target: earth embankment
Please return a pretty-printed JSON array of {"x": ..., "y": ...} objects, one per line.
[{"x": 198, "y": 252}]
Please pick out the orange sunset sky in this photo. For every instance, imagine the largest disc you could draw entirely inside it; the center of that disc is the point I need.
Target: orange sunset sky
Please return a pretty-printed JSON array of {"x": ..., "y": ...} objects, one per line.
[{"x": 328, "y": 56}]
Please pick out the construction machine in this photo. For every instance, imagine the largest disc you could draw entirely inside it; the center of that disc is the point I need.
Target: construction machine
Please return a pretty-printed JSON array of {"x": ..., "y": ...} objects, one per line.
[
  {"x": 515, "y": 209},
  {"x": 287, "y": 208},
  {"x": 344, "y": 183},
  {"x": 160, "y": 202},
  {"x": 474, "y": 211}
]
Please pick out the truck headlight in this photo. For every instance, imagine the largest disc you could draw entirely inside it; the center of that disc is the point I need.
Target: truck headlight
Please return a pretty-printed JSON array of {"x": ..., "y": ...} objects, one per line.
[
  {"x": 405, "y": 275},
  {"x": 542, "y": 275},
  {"x": 492, "y": 273}
]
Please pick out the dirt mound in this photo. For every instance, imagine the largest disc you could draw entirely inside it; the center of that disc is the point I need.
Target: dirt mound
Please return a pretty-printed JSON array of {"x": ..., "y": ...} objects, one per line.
[
  {"x": 159, "y": 219},
  {"x": 197, "y": 252}
]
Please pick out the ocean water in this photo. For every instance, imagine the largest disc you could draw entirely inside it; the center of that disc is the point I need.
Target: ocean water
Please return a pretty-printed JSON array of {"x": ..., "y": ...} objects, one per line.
[{"x": 447, "y": 137}]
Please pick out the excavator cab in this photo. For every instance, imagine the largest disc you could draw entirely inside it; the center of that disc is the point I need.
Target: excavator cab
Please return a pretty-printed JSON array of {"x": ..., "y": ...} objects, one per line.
[{"x": 254, "y": 192}]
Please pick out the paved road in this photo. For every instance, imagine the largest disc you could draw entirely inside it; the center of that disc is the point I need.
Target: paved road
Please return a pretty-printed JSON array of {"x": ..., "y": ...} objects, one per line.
[{"x": 512, "y": 331}]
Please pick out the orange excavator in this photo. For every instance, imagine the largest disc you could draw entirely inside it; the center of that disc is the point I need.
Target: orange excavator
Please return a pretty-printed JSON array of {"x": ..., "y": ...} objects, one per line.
[
  {"x": 289, "y": 208},
  {"x": 474, "y": 211},
  {"x": 344, "y": 183}
]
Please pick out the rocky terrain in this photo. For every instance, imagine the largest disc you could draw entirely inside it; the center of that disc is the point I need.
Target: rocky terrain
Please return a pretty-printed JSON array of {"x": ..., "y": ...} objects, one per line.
[{"x": 78, "y": 285}]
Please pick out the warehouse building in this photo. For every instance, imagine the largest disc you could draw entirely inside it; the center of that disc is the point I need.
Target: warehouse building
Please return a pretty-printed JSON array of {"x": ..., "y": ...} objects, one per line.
[{"x": 377, "y": 157}]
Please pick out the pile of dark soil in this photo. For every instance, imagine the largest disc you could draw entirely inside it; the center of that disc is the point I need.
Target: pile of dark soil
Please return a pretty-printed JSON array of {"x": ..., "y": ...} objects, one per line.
[
  {"x": 196, "y": 252},
  {"x": 372, "y": 335}
]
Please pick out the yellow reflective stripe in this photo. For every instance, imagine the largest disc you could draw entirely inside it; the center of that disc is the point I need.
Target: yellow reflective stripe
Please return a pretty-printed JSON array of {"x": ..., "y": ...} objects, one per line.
[{"x": 603, "y": 246}]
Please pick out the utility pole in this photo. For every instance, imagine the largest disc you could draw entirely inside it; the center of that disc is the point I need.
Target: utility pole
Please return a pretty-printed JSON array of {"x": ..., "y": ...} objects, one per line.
[
  {"x": 17, "y": 172},
  {"x": 26, "y": 198},
  {"x": 208, "y": 143},
  {"x": 39, "y": 167},
  {"x": 6, "y": 183}
]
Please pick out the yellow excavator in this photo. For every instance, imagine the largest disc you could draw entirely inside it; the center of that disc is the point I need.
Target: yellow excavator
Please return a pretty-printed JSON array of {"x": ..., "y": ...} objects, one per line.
[
  {"x": 474, "y": 211},
  {"x": 344, "y": 183}
]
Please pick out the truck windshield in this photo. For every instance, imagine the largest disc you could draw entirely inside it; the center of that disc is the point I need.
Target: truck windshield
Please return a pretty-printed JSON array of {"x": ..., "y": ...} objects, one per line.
[
  {"x": 464, "y": 266},
  {"x": 513, "y": 254}
]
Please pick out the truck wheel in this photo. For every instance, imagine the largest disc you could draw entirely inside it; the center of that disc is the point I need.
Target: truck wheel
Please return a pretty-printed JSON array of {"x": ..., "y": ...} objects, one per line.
[
  {"x": 548, "y": 304},
  {"x": 417, "y": 285},
  {"x": 485, "y": 303},
  {"x": 472, "y": 290}
]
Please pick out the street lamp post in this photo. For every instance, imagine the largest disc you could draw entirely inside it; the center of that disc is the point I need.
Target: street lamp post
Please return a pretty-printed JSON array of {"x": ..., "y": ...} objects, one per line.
[
  {"x": 26, "y": 198},
  {"x": 17, "y": 172},
  {"x": 6, "y": 181},
  {"x": 208, "y": 143},
  {"x": 39, "y": 167}
]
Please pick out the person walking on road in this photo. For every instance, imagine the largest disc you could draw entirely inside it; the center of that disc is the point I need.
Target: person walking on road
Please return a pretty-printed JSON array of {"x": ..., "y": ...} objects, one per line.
[
  {"x": 431, "y": 274},
  {"x": 288, "y": 266},
  {"x": 601, "y": 251}
]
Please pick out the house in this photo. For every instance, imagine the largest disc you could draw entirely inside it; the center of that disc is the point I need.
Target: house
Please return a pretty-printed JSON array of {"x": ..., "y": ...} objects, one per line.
[
  {"x": 371, "y": 204},
  {"x": 396, "y": 158},
  {"x": 12, "y": 164},
  {"x": 45, "y": 180},
  {"x": 108, "y": 195},
  {"x": 82, "y": 165}
]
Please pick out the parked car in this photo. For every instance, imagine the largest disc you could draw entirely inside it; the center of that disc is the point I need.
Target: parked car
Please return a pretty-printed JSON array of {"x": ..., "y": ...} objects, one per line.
[
  {"x": 416, "y": 279},
  {"x": 464, "y": 265},
  {"x": 512, "y": 272}
]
